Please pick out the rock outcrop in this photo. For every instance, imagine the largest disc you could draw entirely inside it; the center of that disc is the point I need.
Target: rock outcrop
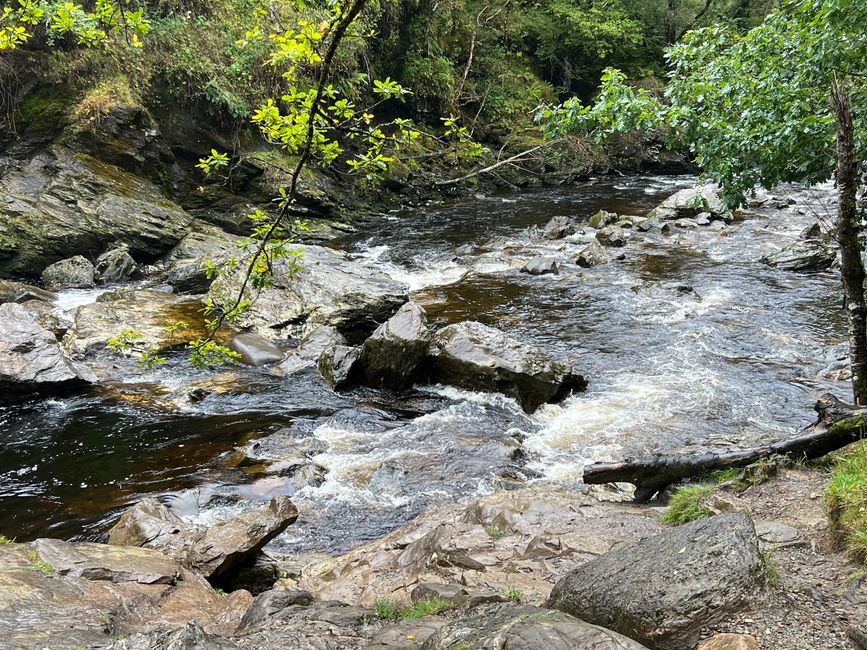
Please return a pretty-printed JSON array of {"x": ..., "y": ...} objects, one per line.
[
  {"x": 185, "y": 265},
  {"x": 663, "y": 590},
  {"x": 211, "y": 551},
  {"x": 31, "y": 360},
  {"x": 478, "y": 357}
]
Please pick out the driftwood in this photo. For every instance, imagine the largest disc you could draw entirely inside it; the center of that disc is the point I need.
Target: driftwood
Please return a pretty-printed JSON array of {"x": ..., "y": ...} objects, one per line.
[{"x": 838, "y": 425}]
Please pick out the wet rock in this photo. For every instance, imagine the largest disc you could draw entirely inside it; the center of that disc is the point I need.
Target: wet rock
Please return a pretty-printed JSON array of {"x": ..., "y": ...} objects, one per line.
[
  {"x": 31, "y": 361},
  {"x": 390, "y": 356},
  {"x": 11, "y": 291},
  {"x": 688, "y": 203},
  {"x": 540, "y": 265},
  {"x": 703, "y": 218},
  {"x": 803, "y": 255},
  {"x": 73, "y": 273},
  {"x": 115, "y": 265},
  {"x": 60, "y": 203},
  {"x": 185, "y": 264},
  {"x": 464, "y": 250},
  {"x": 269, "y": 603},
  {"x": 558, "y": 228},
  {"x": 522, "y": 627},
  {"x": 256, "y": 350},
  {"x": 212, "y": 551},
  {"x": 311, "y": 348},
  {"x": 654, "y": 223},
  {"x": 337, "y": 365},
  {"x": 612, "y": 236},
  {"x": 718, "y": 569},
  {"x": 729, "y": 642},
  {"x": 593, "y": 254},
  {"x": 330, "y": 290},
  {"x": 478, "y": 357},
  {"x": 601, "y": 219},
  {"x": 686, "y": 224}
]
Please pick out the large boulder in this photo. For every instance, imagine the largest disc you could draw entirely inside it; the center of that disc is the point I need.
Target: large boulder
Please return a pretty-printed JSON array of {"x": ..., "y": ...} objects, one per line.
[
  {"x": 522, "y": 627},
  {"x": 478, "y": 357},
  {"x": 663, "y": 590},
  {"x": 803, "y": 255},
  {"x": 60, "y": 203},
  {"x": 115, "y": 265},
  {"x": 185, "y": 265},
  {"x": 558, "y": 228},
  {"x": 330, "y": 289},
  {"x": 73, "y": 273},
  {"x": 691, "y": 202},
  {"x": 390, "y": 356},
  {"x": 210, "y": 551},
  {"x": 31, "y": 361}
]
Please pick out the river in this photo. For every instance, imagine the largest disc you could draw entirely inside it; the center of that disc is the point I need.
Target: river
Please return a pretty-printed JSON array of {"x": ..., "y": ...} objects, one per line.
[{"x": 688, "y": 342}]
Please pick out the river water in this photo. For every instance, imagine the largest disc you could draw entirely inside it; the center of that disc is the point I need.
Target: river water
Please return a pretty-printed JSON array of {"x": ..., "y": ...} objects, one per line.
[{"x": 688, "y": 342}]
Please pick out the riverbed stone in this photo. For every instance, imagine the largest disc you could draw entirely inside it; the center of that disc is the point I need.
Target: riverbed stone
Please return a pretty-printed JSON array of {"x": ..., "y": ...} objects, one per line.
[
  {"x": 331, "y": 289},
  {"x": 602, "y": 218},
  {"x": 523, "y": 627},
  {"x": 31, "y": 360},
  {"x": 115, "y": 265},
  {"x": 729, "y": 642},
  {"x": 255, "y": 350},
  {"x": 185, "y": 264},
  {"x": 663, "y": 590},
  {"x": 593, "y": 254},
  {"x": 803, "y": 255},
  {"x": 559, "y": 227},
  {"x": 337, "y": 365},
  {"x": 11, "y": 291},
  {"x": 210, "y": 551},
  {"x": 540, "y": 265},
  {"x": 391, "y": 355},
  {"x": 612, "y": 236},
  {"x": 690, "y": 202},
  {"x": 72, "y": 273},
  {"x": 479, "y": 357}
]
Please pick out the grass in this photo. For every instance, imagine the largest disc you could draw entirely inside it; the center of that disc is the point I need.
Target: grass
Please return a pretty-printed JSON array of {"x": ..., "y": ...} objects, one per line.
[
  {"x": 846, "y": 500},
  {"x": 39, "y": 564},
  {"x": 688, "y": 504},
  {"x": 723, "y": 475},
  {"x": 515, "y": 595},
  {"x": 6, "y": 540},
  {"x": 392, "y": 611},
  {"x": 772, "y": 571},
  {"x": 495, "y": 531}
]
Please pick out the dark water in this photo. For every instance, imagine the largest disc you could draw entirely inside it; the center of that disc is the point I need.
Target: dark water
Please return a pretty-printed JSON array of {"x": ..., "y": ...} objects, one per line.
[{"x": 689, "y": 340}]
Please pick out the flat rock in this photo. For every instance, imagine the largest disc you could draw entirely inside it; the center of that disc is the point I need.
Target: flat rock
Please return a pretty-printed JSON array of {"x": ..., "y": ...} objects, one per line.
[
  {"x": 663, "y": 590},
  {"x": 103, "y": 562},
  {"x": 774, "y": 534},
  {"x": 522, "y": 627},
  {"x": 803, "y": 255},
  {"x": 407, "y": 634},
  {"x": 256, "y": 350}
]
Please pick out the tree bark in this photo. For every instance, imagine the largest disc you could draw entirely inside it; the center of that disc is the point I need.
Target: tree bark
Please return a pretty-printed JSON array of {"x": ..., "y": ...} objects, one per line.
[
  {"x": 838, "y": 425},
  {"x": 851, "y": 264}
]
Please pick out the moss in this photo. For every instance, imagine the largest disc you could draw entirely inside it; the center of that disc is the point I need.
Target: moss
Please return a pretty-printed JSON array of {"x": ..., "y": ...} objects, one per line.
[
  {"x": 6, "y": 540},
  {"x": 45, "y": 109},
  {"x": 688, "y": 504},
  {"x": 846, "y": 500}
]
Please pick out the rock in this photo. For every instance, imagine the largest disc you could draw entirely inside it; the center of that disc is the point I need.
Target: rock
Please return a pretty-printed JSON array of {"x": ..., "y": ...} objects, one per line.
[
  {"x": 520, "y": 627},
  {"x": 212, "y": 551},
  {"x": 540, "y": 265},
  {"x": 256, "y": 350},
  {"x": 479, "y": 357},
  {"x": 60, "y": 203},
  {"x": 703, "y": 218},
  {"x": 773, "y": 535},
  {"x": 185, "y": 265},
  {"x": 612, "y": 236},
  {"x": 188, "y": 637},
  {"x": 73, "y": 273},
  {"x": 330, "y": 290},
  {"x": 686, "y": 224},
  {"x": 558, "y": 228},
  {"x": 267, "y": 604},
  {"x": 390, "y": 356},
  {"x": 311, "y": 348},
  {"x": 697, "y": 574},
  {"x": 803, "y": 255},
  {"x": 407, "y": 634},
  {"x": 337, "y": 365},
  {"x": 18, "y": 292},
  {"x": 454, "y": 593},
  {"x": 115, "y": 265},
  {"x": 103, "y": 562},
  {"x": 464, "y": 250},
  {"x": 321, "y": 626},
  {"x": 654, "y": 223},
  {"x": 593, "y": 254},
  {"x": 813, "y": 231},
  {"x": 32, "y": 363},
  {"x": 688, "y": 203},
  {"x": 729, "y": 642},
  {"x": 601, "y": 219}
]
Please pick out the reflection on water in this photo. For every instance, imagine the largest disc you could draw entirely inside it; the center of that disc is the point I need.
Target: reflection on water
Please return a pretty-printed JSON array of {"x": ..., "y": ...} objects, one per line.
[{"x": 687, "y": 341}]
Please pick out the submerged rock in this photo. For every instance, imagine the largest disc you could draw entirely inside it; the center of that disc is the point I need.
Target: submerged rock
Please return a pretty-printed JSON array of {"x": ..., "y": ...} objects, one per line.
[
  {"x": 330, "y": 289},
  {"x": 390, "y": 356},
  {"x": 540, "y": 265},
  {"x": 255, "y": 350},
  {"x": 211, "y": 551},
  {"x": 73, "y": 273},
  {"x": 115, "y": 265},
  {"x": 478, "y": 357},
  {"x": 663, "y": 590},
  {"x": 522, "y": 627},
  {"x": 803, "y": 255},
  {"x": 31, "y": 360},
  {"x": 593, "y": 254}
]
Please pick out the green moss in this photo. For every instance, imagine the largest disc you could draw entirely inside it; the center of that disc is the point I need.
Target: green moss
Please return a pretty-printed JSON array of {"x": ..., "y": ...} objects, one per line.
[
  {"x": 392, "y": 611},
  {"x": 846, "y": 500},
  {"x": 43, "y": 108},
  {"x": 688, "y": 504}
]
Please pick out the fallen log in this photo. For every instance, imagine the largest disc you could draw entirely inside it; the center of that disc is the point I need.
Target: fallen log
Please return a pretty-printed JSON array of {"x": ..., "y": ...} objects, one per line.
[{"x": 837, "y": 426}]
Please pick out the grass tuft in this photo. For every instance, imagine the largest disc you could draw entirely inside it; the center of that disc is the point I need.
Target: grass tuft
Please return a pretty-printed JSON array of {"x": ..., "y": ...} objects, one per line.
[
  {"x": 846, "y": 500},
  {"x": 515, "y": 595},
  {"x": 688, "y": 504},
  {"x": 38, "y": 563},
  {"x": 6, "y": 540},
  {"x": 772, "y": 571},
  {"x": 495, "y": 531},
  {"x": 392, "y": 611}
]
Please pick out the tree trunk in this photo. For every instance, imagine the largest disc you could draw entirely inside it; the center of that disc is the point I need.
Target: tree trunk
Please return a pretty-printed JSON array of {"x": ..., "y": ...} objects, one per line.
[{"x": 851, "y": 264}]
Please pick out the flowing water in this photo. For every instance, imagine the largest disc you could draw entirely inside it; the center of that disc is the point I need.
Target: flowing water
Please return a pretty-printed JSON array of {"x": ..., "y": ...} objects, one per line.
[{"x": 688, "y": 342}]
